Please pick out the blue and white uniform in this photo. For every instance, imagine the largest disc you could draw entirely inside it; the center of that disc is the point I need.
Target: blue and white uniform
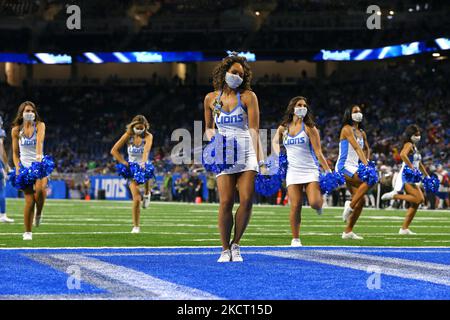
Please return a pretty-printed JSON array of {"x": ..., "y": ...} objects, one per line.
[
  {"x": 235, "y": 124},
  {"x": 303, "y": 166},
  {"x": 415, "y": 159},
  {"x": 135, "y": 153},
  {"x": 348, "y": 158},
  {"x": 27, "y": 147}
]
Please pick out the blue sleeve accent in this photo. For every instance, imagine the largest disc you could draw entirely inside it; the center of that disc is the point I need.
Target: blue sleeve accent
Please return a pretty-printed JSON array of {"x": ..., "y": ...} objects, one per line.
[
  {"x": 313, "y": 155},
  {"x": 343, "y": 146}
]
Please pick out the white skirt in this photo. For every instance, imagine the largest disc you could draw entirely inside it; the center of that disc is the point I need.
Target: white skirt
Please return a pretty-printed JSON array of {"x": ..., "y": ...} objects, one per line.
[
  {"x": 299, "y": 176},
  {"x": 247, "y": 160},
  {"x": 399, "y": 184}
]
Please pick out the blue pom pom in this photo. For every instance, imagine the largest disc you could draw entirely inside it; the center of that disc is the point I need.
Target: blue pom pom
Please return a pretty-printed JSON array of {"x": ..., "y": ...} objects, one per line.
[
  {"x": 267, "y": 185},
  {"x": 368, "y": 174},
  {"x": 124, "y": 171},
  {"x": 431, "y": 184},
  {"x": 149, "y": 171},
  {"x": 139, "y": 177},
  {"x": 283, "y": 164},
  {"x": 412, "y": 175},
  {"x": 330, "y": 181},
  {"x": 24, "y": 179},
  {"x": 220, "y": 154},
  {"x": 12, "y": 178},
  {"x": 48, "y": 165}
]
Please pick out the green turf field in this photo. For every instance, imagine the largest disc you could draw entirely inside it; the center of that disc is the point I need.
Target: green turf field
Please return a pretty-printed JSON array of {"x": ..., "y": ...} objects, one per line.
[{"x": 69, "y": 223}]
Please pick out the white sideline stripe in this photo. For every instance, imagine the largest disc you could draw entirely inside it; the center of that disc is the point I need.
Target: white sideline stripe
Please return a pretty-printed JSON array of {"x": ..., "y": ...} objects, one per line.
[
  {"x": 114, "y": 254},
  {"x": 216, "y": 205},
  {"x": 381, "y": 248},
  {"x": 326, "y": 257},
  {"x": 255, "y": 226},
  {"x": 163, "y": 289},
  {"x": 437, "y": 241},
  {"x": 247, "y": 233},
  {"x": 403, "y": 218}
]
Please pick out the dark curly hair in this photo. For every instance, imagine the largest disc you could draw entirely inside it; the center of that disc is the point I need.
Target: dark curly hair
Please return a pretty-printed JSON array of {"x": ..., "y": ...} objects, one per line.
[
  {"x": 221, "y": 69},
  {"x": 289, "y": 114},
  {"x": 410, "y": 130}
]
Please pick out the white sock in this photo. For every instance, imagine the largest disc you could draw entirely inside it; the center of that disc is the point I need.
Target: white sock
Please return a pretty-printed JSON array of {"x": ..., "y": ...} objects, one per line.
[{"x": 2, "y": 215}]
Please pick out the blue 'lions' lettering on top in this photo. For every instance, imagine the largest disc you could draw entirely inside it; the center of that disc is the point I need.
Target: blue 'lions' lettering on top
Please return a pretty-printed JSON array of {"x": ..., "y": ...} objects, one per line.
[
  {"x": 27, "y": 142},
  {"x": 224, "y": 119},
  {"x": 135, "y": 150},
  {"x": 299, "y": 140}
]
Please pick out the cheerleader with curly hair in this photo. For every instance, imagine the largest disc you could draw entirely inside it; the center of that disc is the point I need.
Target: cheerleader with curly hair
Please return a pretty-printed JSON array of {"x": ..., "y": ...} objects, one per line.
[{"x": 233, "y": 108}]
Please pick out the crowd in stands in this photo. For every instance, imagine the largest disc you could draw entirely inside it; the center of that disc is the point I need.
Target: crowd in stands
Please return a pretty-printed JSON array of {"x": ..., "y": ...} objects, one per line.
[{"x": 84, "y": 122}]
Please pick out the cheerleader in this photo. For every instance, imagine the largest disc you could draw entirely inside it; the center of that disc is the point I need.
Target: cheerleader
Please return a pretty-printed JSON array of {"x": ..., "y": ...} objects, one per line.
[
  {"x": 139, "y": 143},
  {"x": 353, "y": 147},
  {"x": 301, "y": 140},
  {"x": 233, "y": 107},
  {"x": 4, "y": 169},
  {"x": 28, "y": 134},
  {"x": 411, "y": 158}
]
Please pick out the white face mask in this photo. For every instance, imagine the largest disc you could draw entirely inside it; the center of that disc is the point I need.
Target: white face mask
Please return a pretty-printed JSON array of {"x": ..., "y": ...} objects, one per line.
[
  {"x": 415, "y": 139},
  {"x": 28, "y": 116},
  {"x": 138, "y": 132},
  {"x": 357, "y": 117},
  {"x": 300, "y": 111},
  {"x": 233, "y": 80}
]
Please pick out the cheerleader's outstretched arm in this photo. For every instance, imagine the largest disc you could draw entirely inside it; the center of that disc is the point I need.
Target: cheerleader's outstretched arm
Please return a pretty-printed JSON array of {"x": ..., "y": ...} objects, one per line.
[
  {"x": 15, "y": 147},
  {"x": 348, "y": 134},
  {"x": 251, "y": 102},
  {"x": 209, "y": 121},
  {"x": 405, "y": 152},
  {"x": 40, "y": 137},
  {"x": 276, "y": 141},
  {"x": 115, "y": 151},
  {"x": 147, "y": 147},
  {"x": 366, "y": 146},
  {"x": 314, "y": 137}
]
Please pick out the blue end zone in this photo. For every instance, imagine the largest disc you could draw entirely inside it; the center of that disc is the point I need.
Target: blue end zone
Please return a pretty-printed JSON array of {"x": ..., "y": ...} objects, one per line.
[
  {"x": 20, "y": 275},
  {"x": 263, "y": 275}
]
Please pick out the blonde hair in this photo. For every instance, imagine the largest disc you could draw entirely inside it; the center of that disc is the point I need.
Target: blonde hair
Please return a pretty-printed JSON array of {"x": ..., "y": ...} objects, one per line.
[{"x": 139, "y": 119}]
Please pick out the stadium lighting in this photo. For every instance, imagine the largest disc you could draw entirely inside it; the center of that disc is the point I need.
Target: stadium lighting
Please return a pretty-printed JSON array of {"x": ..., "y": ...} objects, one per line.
[
  {"x": 257, "y": 13},
  {"x": 391, "y": 13},
  {"x": 410, "y": 9},
  {"x": 436, "y": 54},
  {"x": 379, "y": 13}
]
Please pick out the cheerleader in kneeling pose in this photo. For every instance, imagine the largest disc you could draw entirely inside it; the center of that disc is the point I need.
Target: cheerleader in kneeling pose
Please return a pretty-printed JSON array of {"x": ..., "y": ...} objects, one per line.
[
  {"x": 301, "y": 140},
  {"x": 139, "y": 142},
  {"x": 412, "y": 159},
  {"x": 28, "y": 134}
]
